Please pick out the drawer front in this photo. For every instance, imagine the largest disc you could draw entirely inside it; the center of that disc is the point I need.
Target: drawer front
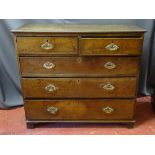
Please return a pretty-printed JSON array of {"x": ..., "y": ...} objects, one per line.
[
  {"x": 111, "y": 46},
  {"x": 47, "y": 45},
  {"x": 113, "y": 109},
  {"x": 78, "y": 66},
  {"x": 79, "y": 87}
]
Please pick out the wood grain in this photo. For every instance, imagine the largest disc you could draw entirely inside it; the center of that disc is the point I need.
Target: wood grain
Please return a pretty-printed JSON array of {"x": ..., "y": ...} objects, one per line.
[
  {"x": 78, "y": 66},
  {"x": 76, "y": 83},
  {"x": 79, "y": 87},
  {"x": 97, "y": 46},
  {"x": 32, "y": 45},
  {"x": 80, "y": 109}
]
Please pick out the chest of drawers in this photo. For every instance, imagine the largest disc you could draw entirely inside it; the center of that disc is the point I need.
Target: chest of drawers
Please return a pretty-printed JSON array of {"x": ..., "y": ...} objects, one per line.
[{"x": 79, "y": 73}]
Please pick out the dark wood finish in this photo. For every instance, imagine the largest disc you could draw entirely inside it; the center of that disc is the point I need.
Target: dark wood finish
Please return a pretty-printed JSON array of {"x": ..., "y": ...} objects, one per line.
[
  {"x": 96, "y": 46},
  {"x": 79, "y": 35},
  {"x": 78, "y": 73},
  {"x": 124, "y": 123},
  {"x": 30, "y": 125},
  {"x": 78, "y": 66},
  {"x": 61, "y": 45},
  {"x": 80, "y": 109},
  {"x": 130, "y": 125},
  {"x": 79, "y": 87}
]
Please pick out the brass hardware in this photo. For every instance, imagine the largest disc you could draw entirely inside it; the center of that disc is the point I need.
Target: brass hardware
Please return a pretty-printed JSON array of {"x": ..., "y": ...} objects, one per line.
[
  {"x": 112, "y": 47},
  {"x": 109, "y": 65},
  {"x": 52, "y": 110},
  {"x": 47, "y": 46},
  {"x": 51, "y": 88},
  {"x": 48, "y": 65},
  {"x": 107, "y": 110},
  {"x": 108, "y": 86}
]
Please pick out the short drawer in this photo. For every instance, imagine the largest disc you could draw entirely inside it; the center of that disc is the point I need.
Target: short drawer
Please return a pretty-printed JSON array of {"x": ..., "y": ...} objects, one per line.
[
  {"x": 111, "y": 46},
  {"x": 79, "y": 87},
  {"x": 47, "y": 45},
  {"x": 113, "y": 109},
  {"x": 78, "y": 66}
]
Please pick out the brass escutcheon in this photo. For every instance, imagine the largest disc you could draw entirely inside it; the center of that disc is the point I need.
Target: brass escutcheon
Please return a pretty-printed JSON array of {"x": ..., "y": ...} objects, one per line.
[
  {"x": 47, "y": 46},
  {"x": 109, "y": 65},
  {"x": 52, "y": 110},
  {"x": 108, "y": 86},
  {"x": 112, "y": 47},
  {"x": 107, "y": 110},
  {"x": 48, "y": 65},
  {"x": 51, "y": 88}
]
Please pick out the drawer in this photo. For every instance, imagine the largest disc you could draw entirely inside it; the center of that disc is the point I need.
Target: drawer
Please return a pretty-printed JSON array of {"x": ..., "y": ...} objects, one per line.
[
  {"x": 79, "y": 87},
  {"x": 47, "y": 45},
  {"x": 78, "y": 66},
  {"x": 111, "y": 46},
  {"x": 112, "y": 109}
]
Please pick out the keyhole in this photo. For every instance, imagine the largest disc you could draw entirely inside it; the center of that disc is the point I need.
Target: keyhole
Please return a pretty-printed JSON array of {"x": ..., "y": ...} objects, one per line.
[
  {"x": 79, "y": 60},
  {"x": 112, "y": 45},
  {"x": 78, "y": 81}
]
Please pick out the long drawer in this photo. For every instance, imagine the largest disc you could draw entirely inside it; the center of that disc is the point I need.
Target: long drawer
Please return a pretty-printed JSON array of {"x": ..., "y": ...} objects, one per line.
[
  {"x": 79, "y": 87},
  {"x": 47, "y": 45},
  {"x": 112, "y": 109},
  {"x": 78, "y": 66},
  {"x": 111, "y": 46}
]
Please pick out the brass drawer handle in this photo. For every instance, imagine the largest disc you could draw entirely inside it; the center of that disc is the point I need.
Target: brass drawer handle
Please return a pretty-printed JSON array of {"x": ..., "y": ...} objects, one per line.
[
  {"x": 109, "y": 65},
  {"x": 47, "y": 46},
  {"x": 107, "y": 86},
  {"x": 48, "y": 65},
  {"x": 112, "y": 47},
  {"x": 51, "y": 88},
  {"x": 108, "y": 110},
  {"x": 52, "y": 110}
]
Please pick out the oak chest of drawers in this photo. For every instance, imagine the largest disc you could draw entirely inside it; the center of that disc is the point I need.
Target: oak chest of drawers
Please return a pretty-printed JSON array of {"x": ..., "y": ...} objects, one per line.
[{"x": 79, "y": 73}]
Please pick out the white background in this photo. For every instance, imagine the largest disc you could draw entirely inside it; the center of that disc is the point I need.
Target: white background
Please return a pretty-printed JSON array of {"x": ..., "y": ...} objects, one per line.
[{"x": 77, "y": 145}]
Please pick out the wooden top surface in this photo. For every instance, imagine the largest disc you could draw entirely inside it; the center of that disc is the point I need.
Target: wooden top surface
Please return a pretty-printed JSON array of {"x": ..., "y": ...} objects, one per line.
[{"x": 81, "y": 28}]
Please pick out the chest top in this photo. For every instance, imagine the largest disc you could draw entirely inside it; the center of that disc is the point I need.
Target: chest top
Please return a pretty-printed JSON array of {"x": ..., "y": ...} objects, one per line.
[
  {"x": 79, "y": 39},
  {"x": 81, "y": 28}
]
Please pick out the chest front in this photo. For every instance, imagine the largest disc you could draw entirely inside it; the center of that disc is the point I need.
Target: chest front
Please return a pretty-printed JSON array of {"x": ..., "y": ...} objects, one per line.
[{"x": 73, "y": 74}]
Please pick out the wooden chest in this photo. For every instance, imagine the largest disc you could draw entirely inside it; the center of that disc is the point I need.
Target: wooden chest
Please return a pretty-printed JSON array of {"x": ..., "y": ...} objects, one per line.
[{"x": 79, "y": 73}]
